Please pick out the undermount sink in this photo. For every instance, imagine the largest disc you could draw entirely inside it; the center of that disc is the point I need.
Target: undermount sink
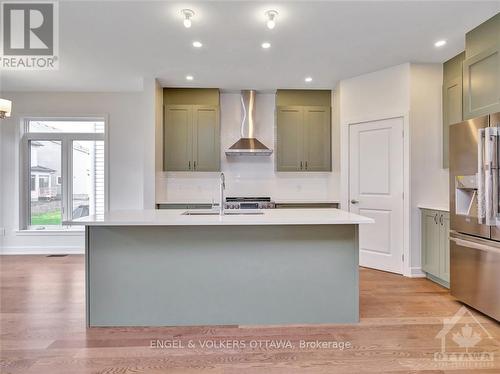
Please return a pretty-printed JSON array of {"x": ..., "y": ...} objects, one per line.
[{"x": 226, "y": 213}]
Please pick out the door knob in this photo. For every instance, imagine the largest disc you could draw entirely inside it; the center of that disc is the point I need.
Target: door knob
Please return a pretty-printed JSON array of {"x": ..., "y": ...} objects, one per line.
[{"x": 354, "y": 201}]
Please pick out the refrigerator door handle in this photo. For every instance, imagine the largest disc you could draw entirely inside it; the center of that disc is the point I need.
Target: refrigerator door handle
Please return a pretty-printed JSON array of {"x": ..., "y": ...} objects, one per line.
[
  {"x": 481, "y": 209},
  {"x": 491, "y": 176},
  {"x": 494, "y": 176}
]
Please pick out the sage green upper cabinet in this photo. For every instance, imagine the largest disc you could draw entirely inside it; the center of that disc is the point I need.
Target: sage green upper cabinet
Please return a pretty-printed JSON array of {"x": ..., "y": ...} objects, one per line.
[
  {"x": 289, "y": 138},
  {"x": 452, "y": 98},
  {"x": 303, "y": 138},
  {"x": 178, "y": 138},
  {"x": 303, "y": 130},
  {"x": 192, "y": 138},
  {"x": 481, "y": 69},
  {"x": 191, "y": 130},
  {"x": 206, "y": 139},
  {"x": 482, "y": 83},
  {"x": 317, "y": 135}
]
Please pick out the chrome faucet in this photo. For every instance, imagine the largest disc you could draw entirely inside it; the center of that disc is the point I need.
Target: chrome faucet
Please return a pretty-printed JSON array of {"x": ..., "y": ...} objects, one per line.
[{"x": 222, "y": 188}]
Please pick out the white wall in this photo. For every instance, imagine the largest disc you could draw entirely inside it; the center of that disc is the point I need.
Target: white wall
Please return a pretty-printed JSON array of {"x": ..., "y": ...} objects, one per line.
[
  {"x": 384, "y": 92},
  {"x": 251, "y": 176},
  {"x": 414, "y": 92},
  {"x": 131, "y": 170},
  {"x": 429, "y": 181}
]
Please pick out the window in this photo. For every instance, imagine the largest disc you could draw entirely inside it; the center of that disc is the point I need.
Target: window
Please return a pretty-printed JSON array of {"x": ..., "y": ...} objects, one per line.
[{"x": 64, "y": 166}]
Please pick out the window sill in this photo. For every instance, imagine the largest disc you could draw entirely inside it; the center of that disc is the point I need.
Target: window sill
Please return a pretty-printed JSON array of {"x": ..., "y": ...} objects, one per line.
[{"x": 50, "y": 232}]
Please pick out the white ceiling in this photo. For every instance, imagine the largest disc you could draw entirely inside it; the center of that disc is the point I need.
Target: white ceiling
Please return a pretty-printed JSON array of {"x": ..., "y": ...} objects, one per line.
[{"x": 112, "y": 45}]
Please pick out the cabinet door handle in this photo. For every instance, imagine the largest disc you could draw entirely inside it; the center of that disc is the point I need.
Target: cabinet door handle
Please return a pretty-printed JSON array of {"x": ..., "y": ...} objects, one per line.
[
  {"x": 436, "y": 218},
  {"x": 189, "y": 165},
  {"x": 441, "y": 220},
  {"x": 300, "y": 165},
  {"x": 194, "y": 165},
  {"x": 306, "y": 165}
]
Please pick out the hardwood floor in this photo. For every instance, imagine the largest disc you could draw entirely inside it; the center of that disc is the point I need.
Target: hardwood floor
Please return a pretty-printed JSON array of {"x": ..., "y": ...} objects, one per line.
[{"x": 43, "y": 330}]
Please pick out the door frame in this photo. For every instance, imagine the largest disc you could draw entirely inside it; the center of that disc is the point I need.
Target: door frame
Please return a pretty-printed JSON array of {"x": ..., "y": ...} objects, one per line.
[{"x": 408, "y": 271}]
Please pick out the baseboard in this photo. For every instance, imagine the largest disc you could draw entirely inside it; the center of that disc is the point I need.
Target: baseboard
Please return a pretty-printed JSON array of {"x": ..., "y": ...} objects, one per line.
[
  {"x": 416, "y": 272},
  {"x": 439, "y": 281},
  {"x": 39, "y": 250}
]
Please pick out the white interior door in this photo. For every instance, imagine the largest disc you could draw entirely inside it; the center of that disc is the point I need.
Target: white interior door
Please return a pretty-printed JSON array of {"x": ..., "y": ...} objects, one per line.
[{"x": 376, "y": 191}]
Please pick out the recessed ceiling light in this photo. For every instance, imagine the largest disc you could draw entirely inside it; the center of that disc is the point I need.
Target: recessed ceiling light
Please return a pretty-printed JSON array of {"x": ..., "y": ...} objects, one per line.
[
  {"x": 271, "y": 19},
  {"x": 266, "y": 45},
  {"x": 188, "y": 14},
  {"x": 189, "y": 77},
  {"x": 197, "y": 44},
  {"x": 440, "y": 43},
  {"x": 308, "y": 79}
]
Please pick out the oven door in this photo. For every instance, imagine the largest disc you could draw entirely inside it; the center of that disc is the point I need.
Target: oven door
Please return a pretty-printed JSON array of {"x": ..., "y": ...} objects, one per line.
[{"x": 474, "y": 267}]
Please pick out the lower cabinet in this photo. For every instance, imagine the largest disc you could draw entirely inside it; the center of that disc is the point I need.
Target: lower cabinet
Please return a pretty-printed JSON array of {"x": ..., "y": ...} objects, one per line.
[
  {"x": 306, "y": 205},
  {"x": 436, "y": 246},
  {"x": 183, "y": 206}
]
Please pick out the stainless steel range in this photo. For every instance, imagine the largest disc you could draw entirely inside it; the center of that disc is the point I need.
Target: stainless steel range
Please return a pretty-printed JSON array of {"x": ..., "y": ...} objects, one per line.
[{"x": 251, "y": 202}]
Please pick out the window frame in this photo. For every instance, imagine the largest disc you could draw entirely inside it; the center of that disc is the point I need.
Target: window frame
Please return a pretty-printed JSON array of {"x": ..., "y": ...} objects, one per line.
[{"x": 66, "y": 140}]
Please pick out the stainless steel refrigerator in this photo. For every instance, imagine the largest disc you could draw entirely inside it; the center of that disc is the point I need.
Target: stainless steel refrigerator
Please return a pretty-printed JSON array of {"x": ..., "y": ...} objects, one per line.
[{"x": 475, "y": 213}]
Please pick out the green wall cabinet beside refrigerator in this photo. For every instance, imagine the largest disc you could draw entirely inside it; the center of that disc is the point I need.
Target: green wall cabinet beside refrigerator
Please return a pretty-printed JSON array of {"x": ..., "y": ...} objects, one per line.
[
  {"x": 452, "y": 99},
  {"x": 481, "y": 69}
]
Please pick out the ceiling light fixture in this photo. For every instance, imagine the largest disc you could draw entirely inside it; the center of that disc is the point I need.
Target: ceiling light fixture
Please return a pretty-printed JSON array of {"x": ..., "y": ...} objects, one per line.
[
  {"x": 197, "y": 44},
  {"x": 308, "y": 79},
  {"x": 271, "y": 19},
  {"x": 189, "y": 77},
  {"x": 440, "y": 43},
  {"x": 266, "y": 45},
  {"x": 5, "y": 108},
  {"x": 188, "y": 14}
]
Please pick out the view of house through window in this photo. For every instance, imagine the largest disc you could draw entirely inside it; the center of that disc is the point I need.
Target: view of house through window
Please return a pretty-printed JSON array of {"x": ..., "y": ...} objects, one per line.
[
  {"x": 66, "y": 177},
  {"x": 45, "y": 204},
  {"x": 88, "y": 178}
]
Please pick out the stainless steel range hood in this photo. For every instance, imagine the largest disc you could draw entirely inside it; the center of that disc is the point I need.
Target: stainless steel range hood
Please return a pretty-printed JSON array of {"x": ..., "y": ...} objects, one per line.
[{"x": 247, "y": 145}]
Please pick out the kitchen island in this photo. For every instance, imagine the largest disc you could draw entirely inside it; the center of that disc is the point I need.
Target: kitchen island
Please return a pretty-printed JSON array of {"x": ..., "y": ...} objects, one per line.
[{"x": 178, "y": 267}]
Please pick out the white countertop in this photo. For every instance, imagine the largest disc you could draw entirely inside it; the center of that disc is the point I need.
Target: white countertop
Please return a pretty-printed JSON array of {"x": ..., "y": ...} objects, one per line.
[
  {"x": 174, "y": 217},
  {"x": 434, "y": 207}
]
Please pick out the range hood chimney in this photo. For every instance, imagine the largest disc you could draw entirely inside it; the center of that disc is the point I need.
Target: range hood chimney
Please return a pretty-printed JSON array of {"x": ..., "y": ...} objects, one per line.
[{"x": 247, "y": 145}]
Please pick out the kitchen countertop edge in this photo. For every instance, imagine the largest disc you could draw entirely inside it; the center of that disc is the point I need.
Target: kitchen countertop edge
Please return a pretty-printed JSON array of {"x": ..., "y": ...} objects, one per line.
[{"x": 174, "y": 217}]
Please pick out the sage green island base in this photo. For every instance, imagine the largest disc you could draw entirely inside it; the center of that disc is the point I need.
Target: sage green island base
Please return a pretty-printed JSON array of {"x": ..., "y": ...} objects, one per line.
[
  {"x": 175, "y": 267},
  {"x": 218, "y": 275}
]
